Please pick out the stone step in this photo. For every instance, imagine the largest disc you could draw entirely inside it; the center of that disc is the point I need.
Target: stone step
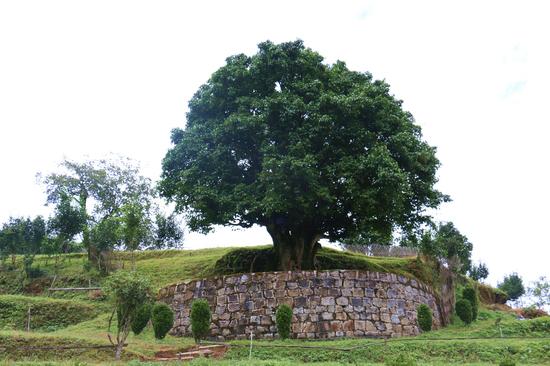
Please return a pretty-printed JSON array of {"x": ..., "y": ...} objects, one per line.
[
  {"x": 205, "y": 352},
  {"x": 213, "y": 346},
  {"x": 168, "y": 359}
]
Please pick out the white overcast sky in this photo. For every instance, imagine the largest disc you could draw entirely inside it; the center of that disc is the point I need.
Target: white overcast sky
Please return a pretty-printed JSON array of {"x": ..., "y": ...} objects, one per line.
[{"x": 85, "y": 78}]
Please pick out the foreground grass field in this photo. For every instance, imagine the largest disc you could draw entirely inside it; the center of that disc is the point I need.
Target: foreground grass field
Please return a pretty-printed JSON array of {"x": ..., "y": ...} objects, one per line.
[{"x": 81, "y": 321}]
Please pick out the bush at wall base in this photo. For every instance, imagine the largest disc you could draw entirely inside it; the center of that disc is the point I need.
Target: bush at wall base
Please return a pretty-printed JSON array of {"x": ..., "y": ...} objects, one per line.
[
  {"x": 200, "y": 319},
  {"x": 424, "y": 316},
  {"x": 470, "y": 294},
  {"x": 162, "y": 318},
  {"x": 464, "y": 310},
  {"x": 142, "y": 317},
  {"x": 283, "y": 318}
]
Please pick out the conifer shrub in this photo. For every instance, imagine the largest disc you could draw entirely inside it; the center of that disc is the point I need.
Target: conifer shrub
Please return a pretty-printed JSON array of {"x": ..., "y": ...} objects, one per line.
[
  {"x": 470, "y": 294},
  {"x": 464, "y": 310},
  {"x": 200, "y": 319},
  {"x": 424, "y": 315},
  {"x": 142, "y": 317},
  {"x": 162, "y": 318},
  {"x": 283, "y": 318}
]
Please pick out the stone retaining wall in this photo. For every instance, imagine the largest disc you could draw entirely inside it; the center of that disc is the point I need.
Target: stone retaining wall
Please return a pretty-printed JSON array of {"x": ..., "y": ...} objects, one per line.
[{"x": 325, "y": 304}]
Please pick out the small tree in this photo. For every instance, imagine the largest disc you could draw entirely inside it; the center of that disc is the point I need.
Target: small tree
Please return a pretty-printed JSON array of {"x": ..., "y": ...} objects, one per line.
[
  {"x": 200, "y": 319},
  {"x": 513, "y": 286},
  {"x": 464, "y": 310},
  {"x": 128, "y": 291},
  {"x": 283, "y": 319},
  {"x": 479, "y": 272},
  {"x": 162, "y": 318},
  {"x": 470, "y": 294},
  {"x": 424, "y": 314},
  {"x": 143, "y": 315},
  {"x": 541, "y": 292}
]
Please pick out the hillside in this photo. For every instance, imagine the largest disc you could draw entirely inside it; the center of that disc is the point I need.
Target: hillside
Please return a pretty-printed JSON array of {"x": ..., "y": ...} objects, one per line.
[
  {"x": 170, "y": 266},
  {"x": 80, "y": 319}
]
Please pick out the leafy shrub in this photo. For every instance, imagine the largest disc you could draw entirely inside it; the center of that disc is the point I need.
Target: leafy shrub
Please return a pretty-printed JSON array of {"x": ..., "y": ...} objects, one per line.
[
  {"x": 401, "y": 360},
  {"x": 162, "y": 318},
  {"x": 283, "y": 318},
  {"x": 470, "y": 294},
  {"x": 143, "y": 314},
  {"x": 200, "y": 319},
  {"x": 464, "y": 310},
  {"x": 424, "y": 314}
]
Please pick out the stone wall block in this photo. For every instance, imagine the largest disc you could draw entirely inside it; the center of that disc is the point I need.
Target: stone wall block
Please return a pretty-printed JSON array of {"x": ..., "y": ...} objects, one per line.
[{"x": 325, "y": 304}]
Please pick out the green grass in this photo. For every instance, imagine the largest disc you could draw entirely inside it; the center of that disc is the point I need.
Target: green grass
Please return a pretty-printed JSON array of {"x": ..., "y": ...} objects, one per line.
[
  {"x": 55, "y": 320},
  {"x": 46, "y": 314},
  {"x": 528, "y": 342},
  {"x": 170, "y": 266}
]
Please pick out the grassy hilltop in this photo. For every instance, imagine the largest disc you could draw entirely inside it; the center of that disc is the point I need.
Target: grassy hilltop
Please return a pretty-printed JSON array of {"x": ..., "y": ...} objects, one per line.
[{"x": 81, "y": 319}]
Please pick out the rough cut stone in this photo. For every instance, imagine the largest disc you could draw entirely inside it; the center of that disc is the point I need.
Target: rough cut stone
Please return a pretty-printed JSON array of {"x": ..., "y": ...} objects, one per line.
[{"x": 325, "y": 304}]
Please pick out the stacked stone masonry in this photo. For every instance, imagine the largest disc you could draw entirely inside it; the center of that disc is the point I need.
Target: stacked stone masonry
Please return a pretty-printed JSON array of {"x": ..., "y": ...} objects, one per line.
[{"x": 325, "y": 304}]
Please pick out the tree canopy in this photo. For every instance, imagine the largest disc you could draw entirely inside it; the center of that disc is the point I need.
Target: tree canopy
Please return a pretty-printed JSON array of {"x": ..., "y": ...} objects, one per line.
[
  {"x": 306, "y": 149},
  {"x": 512, "y": 284},
  {"x": 110, "y": 204}
]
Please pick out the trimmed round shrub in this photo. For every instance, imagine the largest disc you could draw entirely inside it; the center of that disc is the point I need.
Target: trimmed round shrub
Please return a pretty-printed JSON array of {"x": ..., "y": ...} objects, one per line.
[
  {"x": 200, "y": 319},
  {"x": 470, "y": 294},
  {"x": 283, "y": 318},
  {"x": 162, "y": 318},
  {"x": 143, "y": 314},
  {"x": 424, "y": 315},
  {"x": 464, "y": 310}
]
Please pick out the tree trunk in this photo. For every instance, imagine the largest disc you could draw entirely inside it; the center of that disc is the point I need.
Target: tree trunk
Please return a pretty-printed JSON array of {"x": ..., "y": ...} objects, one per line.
[
  {"x": 295, "y": 249},
  {"x": 118, "y": 350}
]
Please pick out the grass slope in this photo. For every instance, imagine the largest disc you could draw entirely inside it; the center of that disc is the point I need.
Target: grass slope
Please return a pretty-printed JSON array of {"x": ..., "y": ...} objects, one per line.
[
  {"x": 170, "y": 266},
  {"x": 166, "y": 267},
  {"x": 46, "y": 314}
]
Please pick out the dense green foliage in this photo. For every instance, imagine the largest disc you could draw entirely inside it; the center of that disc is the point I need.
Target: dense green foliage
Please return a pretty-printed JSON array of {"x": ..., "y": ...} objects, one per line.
[
  {"x": 540, "y": 291},
  {"x": 463, "y": 309},
  {"x": 200, "y": 319},
  {"x": 142, "y": 317},
  {"x": 162, "y": 318},
  {"x": 308, "y": 150},
  {"x": 110, "y": 204},
  {"x": 46, "y": 314},
  {"x": 283, "y": 319},
  {"x": 424, "y": 315},
  {"x": 22, "y": 236},
  {"x": 445, "y": 243},
  {"x": 513, "y": 286},
  {"x": 478, "y": 272},
  {"x": 469, "y": 293}
]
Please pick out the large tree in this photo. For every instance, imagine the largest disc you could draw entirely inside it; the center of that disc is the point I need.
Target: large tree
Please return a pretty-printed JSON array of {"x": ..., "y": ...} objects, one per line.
[{"x": 306, "y": 149}]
